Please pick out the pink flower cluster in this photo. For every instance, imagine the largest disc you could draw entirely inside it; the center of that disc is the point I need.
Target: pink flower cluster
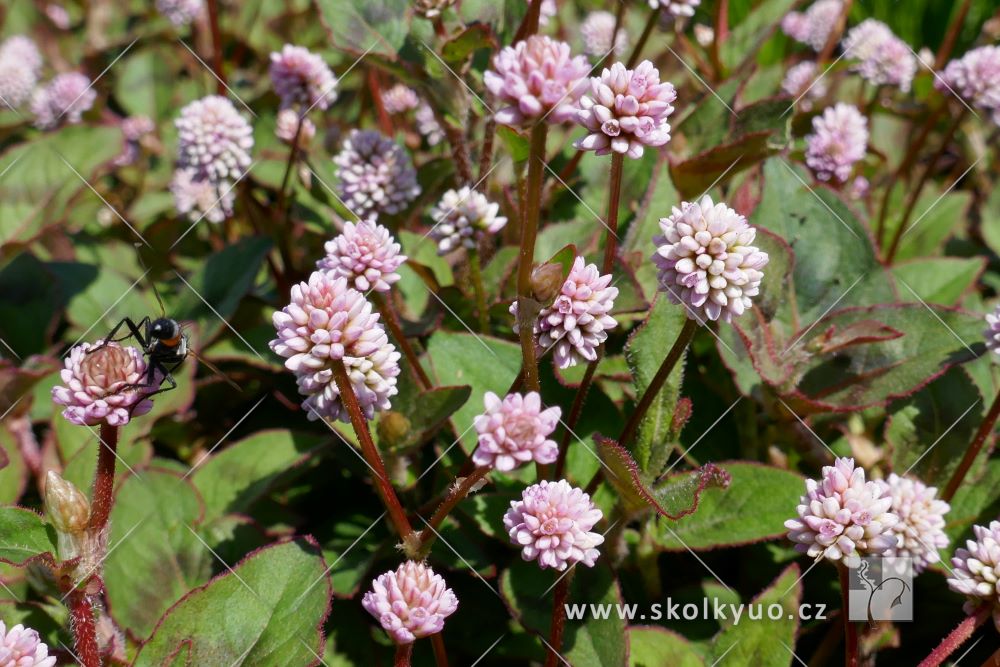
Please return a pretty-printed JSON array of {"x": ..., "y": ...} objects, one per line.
[
  {"x": 552, "y": 524},
  {"x": 302, "y": 79},
  {"x": 20, "y": 67},
  {"x": 366, "y": 255},
  {"x": 410, "y": 602},
  {"x": 515, "y": 430},
  {"x": 884, "y": 58},
  {"x": 376, "y": 175},
  {"x": 976, "y": 77},
  {"x": 838, "y": 141},
  {"x": 805, "y": 84},
  {"x": 22, "y": 647},
  {"x": 103, "y": 383},
  {"x": 626, "y": 110},
  {"x": 813, "y": 26},
  {"x": 920, "y": 530},
  {"x": 977, "y": 570},
  {"x": 63, "y": 100}
]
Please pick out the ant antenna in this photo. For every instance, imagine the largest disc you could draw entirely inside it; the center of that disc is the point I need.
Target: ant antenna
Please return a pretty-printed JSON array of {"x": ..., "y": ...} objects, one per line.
[{"x": 152, "y": 283}]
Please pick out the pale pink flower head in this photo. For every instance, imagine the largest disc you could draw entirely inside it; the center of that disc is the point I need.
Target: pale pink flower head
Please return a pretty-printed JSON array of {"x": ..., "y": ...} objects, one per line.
[
  {"x": 197, "y": 197},
  {"x": 410, "y": 603},
  {"x": 462, "y": 218},
  {"x": 427, "y": 124},
  {"x": 63, "y": 100},
  {"x": 976, "y": 573},
  {"x": 676, "y": 8},
  {"x": 399, "y": 99},
  {"x": 884, "y": 59},
  {"x": 552, "y": 524},
  {"x": 579, "y": 319},
  {"x": 838, "y": 141},
  {"x": 813, "y": 26},
  {"x": 707, "y": 260},
  {"x": 58, "y": 15},
  {"x": 538, "y": 79},
  {"x": 992, "y": 332},
  {"x": 213, "y": 139},
  {"x": 976, "y": 78},
  {"x": 626, "y": 110},
  {"x": 22, "y": 647},
  {"x": 548, "y": 10},
  {"x": 598, "y": 33},
  {"x": 134, "y": 129},
  {"x": 301, "y": 78},
  {"x": 20, "y": 66},
  {"x": 376, "y": 175},
  {"x": 843, "y": 517},
  {"x": 515, "y": 430},
  {"x": 366, "y": 255},
  {"x": 180, "y": 12},
  {"x": 805, "y": 84},
  {"x": 860, "y": 188},
  {"x": 920, "y": 530},
  {"x": 328, "y": 321},
  {"x": 105, "y": 386},
  {"x": 287, "y": 124},
  {"x": 23, "y": 51}
]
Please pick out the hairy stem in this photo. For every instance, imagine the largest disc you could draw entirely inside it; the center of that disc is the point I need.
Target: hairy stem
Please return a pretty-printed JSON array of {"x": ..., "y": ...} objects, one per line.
[
  {"x": 454, "y": 497},
  {"x": 388, "y": 313},
  {"x": 440, "y": 653},
  {"x": 850, "y": 628},
  {"x": 529, "y": 231},
  {"x": 403, "y": 654},
  {"x": 956, "y": 637},
  {"x": 84, "y": 632},
  {"x": 656, "y": 384},
  {"x": 385, "y": 491},
  {"x": 104, "y": 479},
  {"x": 654, "y": 16},
  {"x": 985, "y": 429},
  {"x": 476, "y": 273},
  {"x": 558, "y": 620}
]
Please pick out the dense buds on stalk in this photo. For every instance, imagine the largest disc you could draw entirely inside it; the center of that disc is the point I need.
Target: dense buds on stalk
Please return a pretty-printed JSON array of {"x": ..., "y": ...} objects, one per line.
[
  {"x": 410, "y": 603},
  {"x": 105, "y": 386},
  {"x": 462, "y": 218},
  {"x": 884, "y": 58},
  {"x": 69, "y": 512},
  {"x": 302, "y": 79},
  {"x": 598, "y": 33},
  {"x": 546, "y": 281},
  {"x": 626, "y": 110},
  {"x": 839, "y": 139},
  {"x": 514, "y": 431},
  {"x": 992, "y": 333},
  {"x": 579, "y": 319},
  {"x": 676, "y": 8},
  {"x": 20, "y": 66},
  {"x": 328, "y": 321},
  {"x": 813, "y": 26},
  {"x": 976, "y": 78},
  {"x": 707, "y": 260},
  {"x": 920, "y": 530},
  {"x": 538, "y": 79},
  {"x": 366, "y": 255},
  {"x": 427, "y": 124},
  {"x": 63, "y": 100},
  {"x": 843, "y": 517},
  {"x": 22, "y": 647},
  {"x": 399, "y": 99},
  {"x": 552, "y": 524},
  {"x": 431, "y": 8},
  {"x": 804, "y": 83},
  {"x": 376, "y": 175},
  {"x": 199, "y": 198},
  {"x": 287, "y": 124},
  {"x": 180, "y": 12},
  {"x": 977, "y": 570}
]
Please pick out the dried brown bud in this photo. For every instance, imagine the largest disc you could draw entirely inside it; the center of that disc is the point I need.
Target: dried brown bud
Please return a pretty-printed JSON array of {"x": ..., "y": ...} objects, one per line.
[
  {"x": 67, "y": 508},
  {"x": 546, "y": 281}
]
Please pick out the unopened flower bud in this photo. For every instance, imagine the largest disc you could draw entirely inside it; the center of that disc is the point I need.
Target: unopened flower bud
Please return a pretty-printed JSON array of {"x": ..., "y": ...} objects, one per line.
[
  {"x": 66, "y": 507},
  {"x": 546, "y": 281},
  {"x": 393, "y": 427}
]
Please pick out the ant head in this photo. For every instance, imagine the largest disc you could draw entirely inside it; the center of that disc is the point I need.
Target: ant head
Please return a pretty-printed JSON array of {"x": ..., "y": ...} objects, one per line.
[{"x": 163, "y": 329}]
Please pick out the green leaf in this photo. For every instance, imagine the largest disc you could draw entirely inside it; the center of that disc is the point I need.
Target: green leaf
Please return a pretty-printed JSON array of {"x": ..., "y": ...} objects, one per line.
[
  {"x": 154, "y": 556},
  {"x": 423, "y": 412},
  {"x": 26, "y": 536},
  {"x": 752, "y": 508},
  {"x": 351, "y": 548},
  {"x": 943, "y": 280},
  {"x": 708, "y": 122},
  {"x": 763, "y": 642},
  {"x": 990, "y": 225},
  {"x": 746, "y": 37},
  {"x": 458, "y": 49},
  {"x": 380, "y": 26},
  {"x": 29, "y": 300},
  {"x": 936, "y": 214},
  {"x": 141, "y": 86},
  {"x": 653, "y": 646},
  {"x": 976, "y": 501},
  {"x": 268, "y": 611},
  {"x": 237, "y": 476},
  {"x": 79, "y": 445},
  {"x": 590, "y": 642},
  {"x": 930, "y": 431},
  {"x": 645, "y": 352},
  {"x": 700, "y": 172},
  {"x": 13, "y": 469},
  {"x": 482, "y": 362}
]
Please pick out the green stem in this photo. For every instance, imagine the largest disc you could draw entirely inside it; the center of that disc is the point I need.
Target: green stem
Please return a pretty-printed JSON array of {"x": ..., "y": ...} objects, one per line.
[{"x": 529, "y": 231}]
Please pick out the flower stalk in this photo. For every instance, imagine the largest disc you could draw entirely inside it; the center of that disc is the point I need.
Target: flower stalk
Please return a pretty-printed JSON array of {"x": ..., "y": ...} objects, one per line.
[
  {"x": 962, "y": 632},
  {"x": 976, "y": 446},
  {"x": 84, "y": 631},
  {"x": 454, "y": 497},
  {"x": 654, "y": 16},
  {"x": 403, "y": 654},
  {"x": 440, "y": 653},
  {"x": 558, "y": 625},
  {"x": 850, "y": 628},
  {"x": 104, "y": 479},
  {"x": 388, "y": 313},
  {"x": 529, "y": 232},
  {"x": 385, "y": 491}
]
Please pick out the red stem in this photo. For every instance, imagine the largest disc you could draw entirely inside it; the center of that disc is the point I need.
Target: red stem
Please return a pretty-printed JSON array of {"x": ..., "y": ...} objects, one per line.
[
  {"x": 529, "y": 231},
  {"x": 574, "y": 414},
  {"x": 213, "y": 22},
  {"x": 614, "y": 197},
  {"x": 456, "y": 496},
  {"x": 850, "y": 628},
  {"x": 84, "y": 633},
  {"x": 834, "y": 37},
  {"x": 403, "y": 654},
  {"x": 529, "y": 24},
  {"x": 956, "y": 637},
  {"x": 104, "y": 479},
  {"x": 721, "y": 32},
  {"x": 440, "y": 653},
  {"x": 985, "y": 428},
  {"x": 558, "y": 620},
  {"x": 370, "y": 452},
  {"x": 384, "y": 304},
  {"x": 954, "y": 28},
  {"x": 384, "y": 121}
]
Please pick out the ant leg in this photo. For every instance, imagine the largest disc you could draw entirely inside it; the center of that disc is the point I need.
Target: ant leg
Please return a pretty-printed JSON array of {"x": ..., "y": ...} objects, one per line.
[{"x": 134, "y": 332}]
